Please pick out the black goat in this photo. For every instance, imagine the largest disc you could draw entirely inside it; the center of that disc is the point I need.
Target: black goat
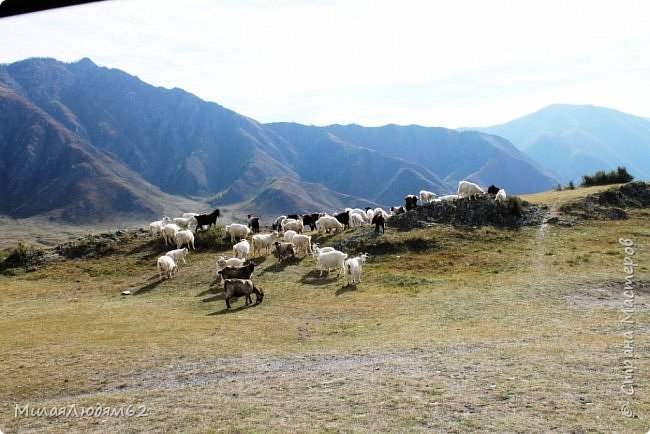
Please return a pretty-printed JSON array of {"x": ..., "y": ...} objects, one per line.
[{"x": 207, "y": 219}]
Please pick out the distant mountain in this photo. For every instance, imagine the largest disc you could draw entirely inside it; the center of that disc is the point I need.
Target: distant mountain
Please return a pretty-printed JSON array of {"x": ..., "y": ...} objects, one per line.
[
  {"x": 84, "y": 142},
  {"x": 454, "y": 156},
  {"x": 576, "y": 140}
]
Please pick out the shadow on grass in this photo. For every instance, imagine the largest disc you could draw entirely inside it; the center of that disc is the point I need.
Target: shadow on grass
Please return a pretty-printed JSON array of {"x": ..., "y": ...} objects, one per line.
[
  {"x": 346, "y": 288},
  {"x": 225, "y": 310},
  {"x": 313, "y": 278},
  {"x": 280, "y": 266},
  {"x": 148, "y": 287},
  {"x": 259, "y": 260},
  {"x": 216, "y": 297},
  {"x": 215, "y": 286}
]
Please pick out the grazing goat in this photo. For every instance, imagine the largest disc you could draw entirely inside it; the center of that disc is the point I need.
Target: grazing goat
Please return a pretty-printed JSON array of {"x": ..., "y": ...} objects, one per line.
[
  {"x": 293, "y": 225},
  {"x": 185, "y": 237},
  {"x": 230, "y": 262},
  {"x": 263, "y": 241},
  {"x": 501, "y": 195},
  {"x": 448, "y": 197},
  {"x": 343, "y": 218},
  {"x": 315, "y": 250},
  {"x": 493, "y": 190},
  {"x": 426, "y": 196},
  {"x": 254, "y": 224},
  {"x": 327, "y": 222},
  {"x": 178, "y": 255},
  {"x": 352, "y": 268},
  {"x": 288, "y": 236},
  {"x": 410, "y": 202},
  {"x": 276, "y": 225},
  {"x": 241, "y": 272},
  {"x": 156, "y": 227},
  {"x": 360, "y": 212},
  {"x": 302, "y": 243},
  {"x": 169, "y": 230},
  {"x": 396, "y": 210},
  {"x": 356, "y": 220},
  {"x": 329, "y": 260},
  {"x": 468, "y": 189},
  {"x": 207, "y": 219},
  {"x": 185, "y": 222},
  {"x": 241, "y": 249},
  {"x": 166, "y": 267},
  {"x": 310, "y": 220},
  {"x": 245, "y": 287},
  {"x": 284, "y": 250},
  {"x": 236, "y": 231},
  {"x": 379, "y": 221}
]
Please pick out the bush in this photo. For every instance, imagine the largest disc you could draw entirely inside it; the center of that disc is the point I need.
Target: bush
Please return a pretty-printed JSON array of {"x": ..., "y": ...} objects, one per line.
[
  {"x": 618, "y": 176},
  {"x": 23, "y": 255}
]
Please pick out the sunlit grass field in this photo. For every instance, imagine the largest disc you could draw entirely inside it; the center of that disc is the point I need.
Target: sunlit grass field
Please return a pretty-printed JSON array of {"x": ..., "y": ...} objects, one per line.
[{"x": 451, "y": 330}]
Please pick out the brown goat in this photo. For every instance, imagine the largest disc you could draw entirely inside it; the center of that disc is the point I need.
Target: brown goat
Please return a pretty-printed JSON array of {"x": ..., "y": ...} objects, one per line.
[
  {"x": 238, "y": 287},
  {"x": 284, "y": 249}
]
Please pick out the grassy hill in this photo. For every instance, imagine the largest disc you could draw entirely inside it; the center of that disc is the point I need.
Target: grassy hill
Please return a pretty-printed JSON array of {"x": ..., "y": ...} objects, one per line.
[{"x": 451, "y": 330}]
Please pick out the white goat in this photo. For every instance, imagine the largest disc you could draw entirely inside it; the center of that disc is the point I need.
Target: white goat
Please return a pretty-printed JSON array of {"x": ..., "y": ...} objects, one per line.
[
  {"x": 293, "y": 225},
  {"x": 426, "y": 196},
  {"x": 302, "y": 243},
  {"x": 448, "y": 197},
  {"x": 356, "y": 220},
  {"x": 185, "y": 222},
  {"x": 500, "y": 196},
  {"x": 327, "y": 222},
  {"x": 241, "y": 249},
  {"x": 469, "y": 189},
  {"x": 236, "y": 231},
  {"x": 329, "y": 260},
  {"x": 185, "y": 237},
  {"x": 166, "y": 267},
  {"x": 360, "y": 212},
  {"x": 169, "y": 230},
  {"x": 352, "y": 268},
  {"x": 230, "y": 262},
  {"x": 178, "y": 255},
  {"x": 156, "y": 227},
  {"x": 315, "y": 250},
  {"x": 263, "y": 241},
  {"x": 288, "y": 236}
]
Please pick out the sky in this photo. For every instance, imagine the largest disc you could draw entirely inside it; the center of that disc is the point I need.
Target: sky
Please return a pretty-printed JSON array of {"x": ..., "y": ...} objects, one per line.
[{"x": 460, "y": 63}]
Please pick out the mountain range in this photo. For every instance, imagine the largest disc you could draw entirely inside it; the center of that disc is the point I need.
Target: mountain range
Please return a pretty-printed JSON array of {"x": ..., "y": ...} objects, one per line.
[
  {"x": 577, "y": 140},
  {"x": 82, "y": 142}
]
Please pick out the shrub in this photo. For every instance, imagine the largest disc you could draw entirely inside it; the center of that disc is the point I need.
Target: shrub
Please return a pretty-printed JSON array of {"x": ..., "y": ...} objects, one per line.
[
  {"x": 23, "y": 255},
  {"x": 515, "y": 206},
  {"x": 601, "y": 177}
]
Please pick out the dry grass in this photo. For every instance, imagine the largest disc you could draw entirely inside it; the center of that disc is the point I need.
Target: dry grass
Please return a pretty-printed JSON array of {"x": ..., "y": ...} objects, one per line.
[{"x": 450, "y": 331}]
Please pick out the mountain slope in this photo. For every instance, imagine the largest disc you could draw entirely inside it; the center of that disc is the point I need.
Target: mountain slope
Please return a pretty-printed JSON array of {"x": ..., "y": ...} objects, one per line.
[
  {"x": 453, "y": 155},
  {"x": 83, "y": 140},
  {"x": 576, "y": 140},
  {"x": 45, "y": 169}
]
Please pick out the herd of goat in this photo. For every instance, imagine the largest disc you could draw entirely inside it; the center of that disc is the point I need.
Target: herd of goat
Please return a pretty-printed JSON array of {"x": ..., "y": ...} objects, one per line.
[{"x": 286, "y": 239}]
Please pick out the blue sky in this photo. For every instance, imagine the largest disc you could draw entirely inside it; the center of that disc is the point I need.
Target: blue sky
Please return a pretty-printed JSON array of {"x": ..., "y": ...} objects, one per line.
[{"x": 433, "y": 63}]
